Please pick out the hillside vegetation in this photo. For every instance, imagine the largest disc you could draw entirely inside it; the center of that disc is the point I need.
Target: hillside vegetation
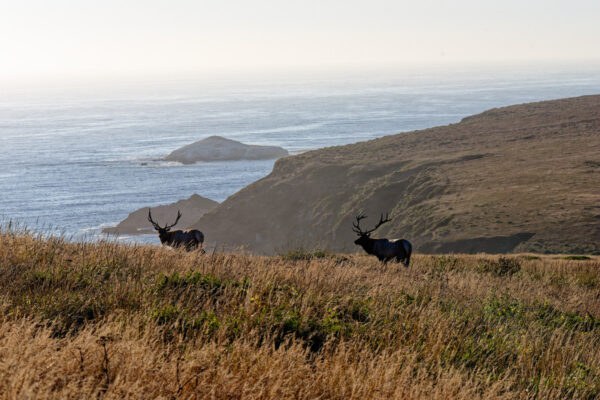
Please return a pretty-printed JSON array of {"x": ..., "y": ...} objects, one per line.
[
  {"x": 514, "y": 179},
  {"x": 82, "y": 320}
]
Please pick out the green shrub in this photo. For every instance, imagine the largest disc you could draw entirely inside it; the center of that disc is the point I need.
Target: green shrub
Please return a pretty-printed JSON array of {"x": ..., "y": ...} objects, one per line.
[
  {"x": 303, "y": 254},
  {"x": 501, "y": 267},
  {"x": 577, "y": 258}
]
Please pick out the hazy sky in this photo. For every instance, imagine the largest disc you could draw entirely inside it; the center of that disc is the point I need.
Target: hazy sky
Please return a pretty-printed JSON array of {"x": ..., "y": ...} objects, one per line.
[{"x": 48, "y": 39}]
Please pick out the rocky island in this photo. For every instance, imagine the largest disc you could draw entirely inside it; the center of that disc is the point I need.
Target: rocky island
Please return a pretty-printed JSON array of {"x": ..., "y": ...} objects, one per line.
[
  {"x": 137, "y": 223},
  {"x": 217, "y": 148}
]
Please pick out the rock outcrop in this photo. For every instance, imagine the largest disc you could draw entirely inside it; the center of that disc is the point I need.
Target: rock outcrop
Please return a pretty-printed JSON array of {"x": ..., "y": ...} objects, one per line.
[
  {"x": 216, "y": 148},
  {"x": 137, "y": 223}
]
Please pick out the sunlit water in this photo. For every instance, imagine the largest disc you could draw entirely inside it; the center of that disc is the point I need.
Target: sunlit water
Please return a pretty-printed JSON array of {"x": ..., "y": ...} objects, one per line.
[{"x": 76, "y": 164}]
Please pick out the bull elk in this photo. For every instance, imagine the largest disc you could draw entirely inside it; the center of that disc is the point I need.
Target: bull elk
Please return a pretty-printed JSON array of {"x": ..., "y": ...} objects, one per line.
[
  {"x": 189, "y": 239},
  {"x": 384, "y": 249}
]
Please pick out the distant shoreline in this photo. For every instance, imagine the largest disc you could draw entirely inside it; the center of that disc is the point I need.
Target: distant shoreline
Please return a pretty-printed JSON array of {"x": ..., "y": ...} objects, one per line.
[{"x": 93, "y": 175}]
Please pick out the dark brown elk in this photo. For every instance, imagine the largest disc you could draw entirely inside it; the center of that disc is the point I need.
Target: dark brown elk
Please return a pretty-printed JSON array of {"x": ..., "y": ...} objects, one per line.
[
  {"x": 385, "y": 250},
  {"x": 190, "y": 239}
]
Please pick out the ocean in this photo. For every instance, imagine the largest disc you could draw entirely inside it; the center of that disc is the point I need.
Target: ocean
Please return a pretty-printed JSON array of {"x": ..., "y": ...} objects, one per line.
[{"x": 73, "y": 164}]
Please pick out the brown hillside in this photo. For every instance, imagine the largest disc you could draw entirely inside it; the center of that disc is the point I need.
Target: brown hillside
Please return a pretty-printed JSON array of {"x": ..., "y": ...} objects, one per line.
[{"x": 520, "y": 178}]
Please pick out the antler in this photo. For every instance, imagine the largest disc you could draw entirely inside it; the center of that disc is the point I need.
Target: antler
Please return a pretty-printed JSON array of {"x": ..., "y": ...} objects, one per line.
[
  {"x": 174, "y": 223},
  {"x": 156, "y": 226},
  {"x": 356, "y": 225},
  {"x": 357, "y": 229},
  {"x": 381, "y": 222}
]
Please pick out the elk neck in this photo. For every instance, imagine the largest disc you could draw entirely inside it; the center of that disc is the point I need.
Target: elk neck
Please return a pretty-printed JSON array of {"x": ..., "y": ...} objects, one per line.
[{"x": 367, "y": 244}]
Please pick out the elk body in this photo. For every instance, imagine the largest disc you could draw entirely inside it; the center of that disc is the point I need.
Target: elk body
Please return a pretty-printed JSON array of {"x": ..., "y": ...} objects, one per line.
[
  {"x": 385, "y": 250},
  {"x": 190, "y": 239}
]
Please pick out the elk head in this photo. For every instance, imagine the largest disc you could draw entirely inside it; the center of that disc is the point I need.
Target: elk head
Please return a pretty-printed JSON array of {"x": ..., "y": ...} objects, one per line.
[
  {"x": 364, "y": 237},
  {"x": 163, "y": 233}
]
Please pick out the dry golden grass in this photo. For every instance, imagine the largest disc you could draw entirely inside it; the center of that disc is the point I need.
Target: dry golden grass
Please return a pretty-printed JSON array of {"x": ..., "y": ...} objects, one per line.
[{"x": 84, "y": 320}]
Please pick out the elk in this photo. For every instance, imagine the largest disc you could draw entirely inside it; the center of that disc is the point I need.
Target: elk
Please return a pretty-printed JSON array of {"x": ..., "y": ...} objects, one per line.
[
  {"x": 384, "y": 249},
  {"x": 189, "y": 239}
]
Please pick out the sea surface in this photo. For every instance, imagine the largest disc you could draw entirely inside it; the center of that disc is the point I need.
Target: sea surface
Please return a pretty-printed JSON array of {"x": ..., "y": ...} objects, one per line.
[{"x": 72, "y": 164}]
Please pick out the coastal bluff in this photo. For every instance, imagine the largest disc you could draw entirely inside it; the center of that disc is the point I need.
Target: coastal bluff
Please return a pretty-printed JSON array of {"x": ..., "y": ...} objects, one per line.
[
  {"x": 217, "y": 148},
  {"x": 522, "y": 178}
]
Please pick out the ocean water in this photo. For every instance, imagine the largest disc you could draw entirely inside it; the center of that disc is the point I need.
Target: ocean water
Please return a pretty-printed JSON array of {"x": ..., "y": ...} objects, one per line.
[{"x": 73, "y": 164}]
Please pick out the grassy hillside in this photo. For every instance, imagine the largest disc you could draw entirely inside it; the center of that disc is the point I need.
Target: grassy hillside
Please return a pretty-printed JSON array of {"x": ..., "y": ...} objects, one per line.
[
  {"x": 85, "y": 320},
  {"x": 520, "y": 178}
]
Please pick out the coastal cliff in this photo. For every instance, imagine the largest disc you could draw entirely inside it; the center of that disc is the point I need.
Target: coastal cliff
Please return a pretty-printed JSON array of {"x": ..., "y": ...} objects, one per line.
[{"x": 512, "y": 179}]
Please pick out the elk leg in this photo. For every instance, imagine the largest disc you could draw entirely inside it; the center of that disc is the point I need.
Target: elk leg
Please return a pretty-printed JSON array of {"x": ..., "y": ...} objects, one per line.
[{"x": 198, "y": 245}]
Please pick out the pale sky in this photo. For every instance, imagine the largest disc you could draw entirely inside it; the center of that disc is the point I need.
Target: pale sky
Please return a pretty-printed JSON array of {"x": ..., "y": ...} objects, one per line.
[{"x": 49, "y": 39}]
